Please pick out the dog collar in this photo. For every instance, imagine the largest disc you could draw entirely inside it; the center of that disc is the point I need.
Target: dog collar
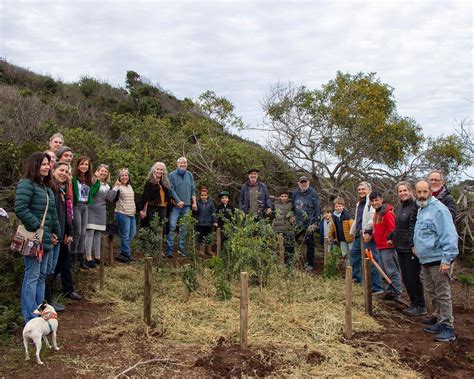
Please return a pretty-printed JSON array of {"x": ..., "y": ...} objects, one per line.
[{"x": 49, "y": 316}]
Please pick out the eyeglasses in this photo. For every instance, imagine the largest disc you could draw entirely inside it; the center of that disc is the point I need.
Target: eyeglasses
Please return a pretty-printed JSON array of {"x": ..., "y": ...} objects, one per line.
[{"x": 434, "y": 180}]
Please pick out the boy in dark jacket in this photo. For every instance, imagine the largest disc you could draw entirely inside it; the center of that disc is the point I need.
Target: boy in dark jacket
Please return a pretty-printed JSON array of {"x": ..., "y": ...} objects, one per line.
[
  {"x": 383, "y": 226},
  {"x": 283, "y": 223},
  {"x": 206, "y": 218},
  {"x": 224, "y": 212},
  {"x": 339, "y": 231}
]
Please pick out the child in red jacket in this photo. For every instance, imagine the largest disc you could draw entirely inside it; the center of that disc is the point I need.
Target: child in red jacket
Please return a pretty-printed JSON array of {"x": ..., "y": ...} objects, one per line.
[{"x": 383, "y": 225}]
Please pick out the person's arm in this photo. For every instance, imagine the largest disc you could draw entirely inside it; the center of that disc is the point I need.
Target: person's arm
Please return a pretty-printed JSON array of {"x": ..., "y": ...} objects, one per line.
[
  {"x": 193, "y": 193},
  {"x": 242, "y": 197},
  {"x": 24, "y": 194},
  {"x": 174, "y": 195},
  {"x": 447, "y": 238},
  {"x": 411, "y": 225},
  {"x": 268, "y": 201}
]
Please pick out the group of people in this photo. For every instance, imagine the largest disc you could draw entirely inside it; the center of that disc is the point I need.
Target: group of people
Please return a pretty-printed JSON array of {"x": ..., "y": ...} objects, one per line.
[{"x": 416, "y": 237}]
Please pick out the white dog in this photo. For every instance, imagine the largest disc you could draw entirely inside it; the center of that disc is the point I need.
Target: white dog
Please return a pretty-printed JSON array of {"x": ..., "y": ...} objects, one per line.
[{"x": 40, "y": 327}]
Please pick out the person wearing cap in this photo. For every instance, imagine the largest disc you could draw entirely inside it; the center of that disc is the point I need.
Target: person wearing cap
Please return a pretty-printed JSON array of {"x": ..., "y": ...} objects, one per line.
[
  {"x": 224, "y": 212},
  {"x": 64, "y": 154},
  {"x": 307, "y": 211},
  {"x": 254, "y": 198}
]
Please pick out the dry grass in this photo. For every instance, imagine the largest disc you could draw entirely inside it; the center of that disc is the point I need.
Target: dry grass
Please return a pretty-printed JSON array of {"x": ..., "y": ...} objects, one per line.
[{"x": 312, "y": 322}]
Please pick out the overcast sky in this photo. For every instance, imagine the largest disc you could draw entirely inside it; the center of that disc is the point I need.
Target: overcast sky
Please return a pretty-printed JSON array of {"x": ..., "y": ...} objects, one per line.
[{"x": 424, "y": 49}]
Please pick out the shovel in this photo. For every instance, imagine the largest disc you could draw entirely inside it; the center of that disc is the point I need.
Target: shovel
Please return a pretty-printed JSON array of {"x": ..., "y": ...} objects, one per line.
[{"x": 368, "y": 254}]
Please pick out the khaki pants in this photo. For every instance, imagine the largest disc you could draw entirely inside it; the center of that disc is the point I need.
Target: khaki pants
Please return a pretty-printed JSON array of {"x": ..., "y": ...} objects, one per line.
[{"x": 438, "y": 287}]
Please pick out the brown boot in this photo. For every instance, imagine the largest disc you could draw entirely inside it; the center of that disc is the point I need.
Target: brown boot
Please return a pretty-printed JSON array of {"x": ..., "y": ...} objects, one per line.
[{"x": 209, "y": 250}]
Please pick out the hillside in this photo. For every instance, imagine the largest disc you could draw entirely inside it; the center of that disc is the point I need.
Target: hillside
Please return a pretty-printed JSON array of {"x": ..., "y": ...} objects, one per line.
[{"x": 124, "y": 127}]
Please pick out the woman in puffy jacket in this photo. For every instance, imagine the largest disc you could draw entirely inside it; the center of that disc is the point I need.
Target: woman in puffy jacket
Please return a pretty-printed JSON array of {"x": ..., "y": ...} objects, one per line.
[
  {"x": 33, "y": 195},
  {"x": 402, "y": 240}
]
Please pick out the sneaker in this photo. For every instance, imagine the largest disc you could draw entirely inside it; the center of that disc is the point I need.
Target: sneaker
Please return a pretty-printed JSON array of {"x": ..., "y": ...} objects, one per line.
[
  {"x": 84, "y": 265},
  {"x": 430, "y": 320},
  {"x": 58, "y": 307},
  {"x": 446, "y": 334},
  {"x": 97, "y": 261},
  {"x": 122, "y": 258},
  {"x": 183, "y": 253},
  {"x": 435, "y": 329},
  {"x": 92, "y": 264},
  {"x": 379, "y": 292},
  {"x": 73, "y": 295},
  {"x": 308, "y": 268},
  {"x": 169, "y": 255},
  {"x": 415, "y": 311}
]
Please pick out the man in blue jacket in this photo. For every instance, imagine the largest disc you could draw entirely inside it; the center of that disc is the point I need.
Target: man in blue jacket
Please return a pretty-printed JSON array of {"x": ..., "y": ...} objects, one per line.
[
  {"x": 307, "y": 211},
  {"x": 436, "y": 246},
  {"x": 184, "y": 196}
]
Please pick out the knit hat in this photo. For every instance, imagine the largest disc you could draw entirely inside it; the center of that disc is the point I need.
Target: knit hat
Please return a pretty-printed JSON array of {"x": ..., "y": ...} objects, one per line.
[
  {"x": 224, "y": 193},
  {"x": 62, "y": 150},
  {"x": 253, "y": 170}
]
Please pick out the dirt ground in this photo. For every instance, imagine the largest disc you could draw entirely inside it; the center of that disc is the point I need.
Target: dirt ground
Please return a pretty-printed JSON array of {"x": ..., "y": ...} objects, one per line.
[{"x": 104, "y": 354}]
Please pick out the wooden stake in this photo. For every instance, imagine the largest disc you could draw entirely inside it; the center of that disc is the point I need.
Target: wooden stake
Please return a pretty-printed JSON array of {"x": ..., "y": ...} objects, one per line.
[
  {"x": 244, "y": 309},
  {"x": 281, "y": 247},
  {"x": 367, "y": 287},
  {"x": 325, "y": 250},
  {"x": 362, "y": 255},
  {"x": 348, "y": 309},
  {"x": 147, "y": 294},
  {"x": 111, "y": 249},
  {"x": 102, "y": 261},
  {"x": 218, "y": 242}
]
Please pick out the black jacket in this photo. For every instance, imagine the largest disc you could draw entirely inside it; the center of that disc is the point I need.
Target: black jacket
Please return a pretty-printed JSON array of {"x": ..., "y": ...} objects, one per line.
[
  {"x": 447, "y": 199},
  {"x": 151, "y": 193},
  {"x": 64, "y": 221},
  {"x": 405, "y": 219}
]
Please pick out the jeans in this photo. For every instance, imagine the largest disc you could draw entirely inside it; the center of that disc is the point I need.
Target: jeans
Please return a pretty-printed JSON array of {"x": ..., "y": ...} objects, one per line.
[
  {"x": 79, "y": 224},
  {"x": 438, "y": 286},
  {"x": 346, "y": 251},
  {"x": 127, "y": 230},
  {"x": 32, "y": 289},
  {"x": 175, "y": 214},
  {"x": 53, "y": 259},
  {"x": 375, "y": 277},
  {"x": 391, "y": 268}
]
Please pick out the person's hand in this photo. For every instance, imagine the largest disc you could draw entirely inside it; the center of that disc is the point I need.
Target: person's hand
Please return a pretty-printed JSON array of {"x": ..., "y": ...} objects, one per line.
[
  {"x": 293, "y": 219},
  {"x": 413, "y": 250},
  {"x": 216, "y": 224},
  {"x": 390, "y": 243},
  {"x": 268, "y": 211},
  {"x": 67, "y": 240},
  {"x": 180, "y": 204},
  {"x": 54, "y": 239},
  {"x": 194, "y": 207},
  {"x": 444, "y": 268},
  {"x": 96, "y": 174},
  {"x": 367, "y": 238},
  {"x": 142, "y": 214},
  {"x": 117, "y": 183}
]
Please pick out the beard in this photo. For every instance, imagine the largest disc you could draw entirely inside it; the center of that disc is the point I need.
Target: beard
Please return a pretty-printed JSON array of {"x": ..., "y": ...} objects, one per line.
[{"x": 422, "y": 203}]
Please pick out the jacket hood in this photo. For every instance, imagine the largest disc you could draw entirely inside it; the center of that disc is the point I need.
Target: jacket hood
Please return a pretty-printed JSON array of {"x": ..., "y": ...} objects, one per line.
[{"x": 384, "y": 209}]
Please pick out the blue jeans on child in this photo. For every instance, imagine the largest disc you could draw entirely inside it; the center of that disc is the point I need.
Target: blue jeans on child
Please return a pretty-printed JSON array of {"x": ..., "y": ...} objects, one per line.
[
  {"x": 175, "y": 214},
  {"x": 32, "y": 289},
  {"x": 375, "y": 277},
  {"x": 127, "y": 230}
]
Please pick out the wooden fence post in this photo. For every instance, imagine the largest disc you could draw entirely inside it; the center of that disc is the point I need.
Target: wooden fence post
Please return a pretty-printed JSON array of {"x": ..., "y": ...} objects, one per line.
[
  {"x": 362, "y": 255},
  {"x": 367, "y": 286},
  {"x": 244, "y": 309},
  {"x": 348, "y": 308},
  {"x": 281, "y": 247},
  {"x": 325, "y": 251},
  {"x": 102, "y": 261},
  {"x": 147, "y": 294},
  {"x": 111, "y": 249},
  {"x": 218, "y": 242}
]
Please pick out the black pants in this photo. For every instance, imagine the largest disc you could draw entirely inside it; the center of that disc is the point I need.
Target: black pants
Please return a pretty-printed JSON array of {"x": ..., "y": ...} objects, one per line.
[
  {"x": 150, "y": 215},
  {"x": 411, "y": 268},
  {"x": 309, "y": 239},
  {"x": 64, "y": 268},
  {"x": 203, "y": 233}
]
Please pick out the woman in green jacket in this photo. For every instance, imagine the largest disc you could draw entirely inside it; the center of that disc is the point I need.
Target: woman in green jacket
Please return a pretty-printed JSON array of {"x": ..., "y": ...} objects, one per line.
[{"x": 33, "y": 193}]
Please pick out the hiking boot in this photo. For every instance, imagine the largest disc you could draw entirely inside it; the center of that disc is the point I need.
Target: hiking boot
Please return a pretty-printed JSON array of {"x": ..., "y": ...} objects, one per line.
[
  {"x": 435, "y": 329},
  {"x": 73, "y": 295},
  {"x": 430, "y": 320},
  {"x": 379, "y": 292},
  {"x": 415, "y": 311},
  {"x": 84, "y": 265},
  {"x": 122, "y": 258},
  {"x": 446, "y": 334}
]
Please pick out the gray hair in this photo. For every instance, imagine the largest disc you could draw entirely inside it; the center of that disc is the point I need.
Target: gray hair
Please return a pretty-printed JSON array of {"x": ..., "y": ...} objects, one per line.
[
  {"x": 56, "y": 135},
  {"x": 437, "y": 172},
  {"x": 181, "y": 159},
  {"x": 164, "y": 179}
]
